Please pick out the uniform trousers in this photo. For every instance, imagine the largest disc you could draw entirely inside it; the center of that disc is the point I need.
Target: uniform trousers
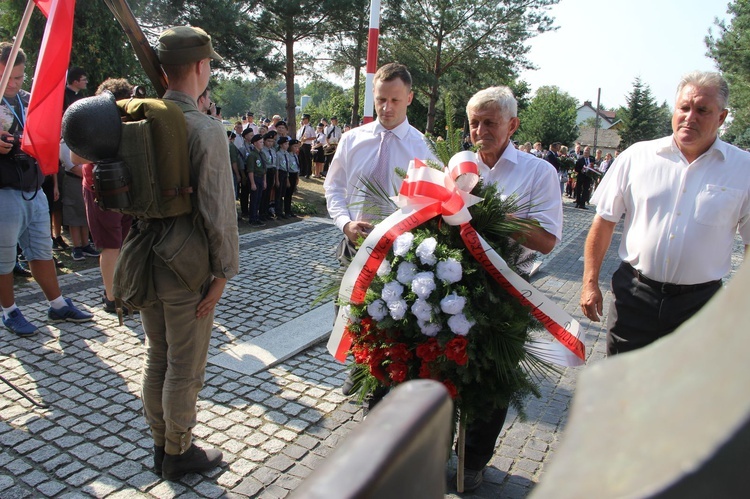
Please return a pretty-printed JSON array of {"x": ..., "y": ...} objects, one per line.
[
  {"x": 305, "y": 160},
  {"x": 175, "y": 364},
  {"x": 644, "y": 310},
  {"x": 289, "y": 192}
]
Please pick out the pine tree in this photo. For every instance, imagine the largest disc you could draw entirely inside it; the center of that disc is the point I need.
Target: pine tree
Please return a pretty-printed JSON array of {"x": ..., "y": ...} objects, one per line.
[
  {"x": 641, "y": 119},
  {"x": 731, "y": 51}
]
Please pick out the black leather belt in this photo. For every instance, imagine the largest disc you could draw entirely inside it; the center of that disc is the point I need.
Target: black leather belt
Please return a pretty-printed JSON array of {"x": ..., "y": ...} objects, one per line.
[{"x": 666, "y": 287}]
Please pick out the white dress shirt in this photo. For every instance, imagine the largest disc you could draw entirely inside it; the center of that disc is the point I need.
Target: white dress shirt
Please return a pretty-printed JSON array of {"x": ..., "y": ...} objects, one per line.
[
  {"x": 535, "y": 183},
  {"x": 355, "y": 159},
  {"x": 305, "y": 133},
  {"x": 680, "y": 218},
  {"x": 333, "y": 134}
]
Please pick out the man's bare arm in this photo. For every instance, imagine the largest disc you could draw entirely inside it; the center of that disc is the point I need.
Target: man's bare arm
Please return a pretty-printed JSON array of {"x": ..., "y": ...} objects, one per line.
[{"x": 597, "y": 243}]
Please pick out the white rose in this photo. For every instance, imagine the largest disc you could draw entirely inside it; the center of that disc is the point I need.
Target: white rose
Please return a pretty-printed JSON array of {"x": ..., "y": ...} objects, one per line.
[
  {"x": 426, "y": 251},
  {"x": 377, "y": 310},
  {"x": 422, "y": 310},
  {"x": 402, "y": 244},
  {"x": 406, "y": 272},
  {"x": 398, "y": 309},
  {"x": 429, "y": 328},
  {"x": 384, "y": 269},
  {"x": 423, "y": 284},
  {"x": 449, "y": 270},
  {"x": 459, "y": 324},
  {"x": 453, "y": 304},
  {"x": 392, "y": 291}
]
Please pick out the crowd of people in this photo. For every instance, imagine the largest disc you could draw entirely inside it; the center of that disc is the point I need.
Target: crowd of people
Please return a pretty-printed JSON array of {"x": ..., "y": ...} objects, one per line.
[{"x": 665, "y": 277}]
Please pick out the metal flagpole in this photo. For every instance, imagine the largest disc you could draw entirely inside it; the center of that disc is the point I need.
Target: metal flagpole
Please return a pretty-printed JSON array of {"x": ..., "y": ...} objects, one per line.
[
  {"x": 16, "y": 46},
  {"x": 372, "y": 59}
]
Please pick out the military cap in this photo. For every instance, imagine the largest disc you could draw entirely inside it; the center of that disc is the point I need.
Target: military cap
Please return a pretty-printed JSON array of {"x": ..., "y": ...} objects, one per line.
[
  {"x": 183, "y": 45},
  {"x": 256, "y": 138},
  {"x": 283, "y": 140},
  {"x": 293, "y": 142},
  {"x": 246, "y": 131}
]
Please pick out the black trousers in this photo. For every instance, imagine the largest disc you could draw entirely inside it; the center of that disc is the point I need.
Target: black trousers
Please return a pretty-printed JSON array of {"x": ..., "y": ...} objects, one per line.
[
  {"x": 644, "y": 310},
  {"x": 244, "y": 194},
  {"x": 265, "y": 201},
  {"x": 305, "y": 160},
  {"x": 582, "y": 191},
  {"x": 293, "y": 179},
  {"x": 281, "y": 193}
]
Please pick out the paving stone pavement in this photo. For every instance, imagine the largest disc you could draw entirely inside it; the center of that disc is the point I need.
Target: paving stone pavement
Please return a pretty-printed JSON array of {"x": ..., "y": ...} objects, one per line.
[{"x": 274, "y": 427}]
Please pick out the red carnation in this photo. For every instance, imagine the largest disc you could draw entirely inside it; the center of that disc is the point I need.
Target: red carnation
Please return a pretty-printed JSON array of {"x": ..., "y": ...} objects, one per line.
[
  {"x": 452, "y": 391},
  {"x": 379, "y": 374},
  {"x": 399, "y": 353},
  {"x": 397, "y": 371},
  {"x": 377, "y": 356},
  {"x": 455, "y": 350},
  {"x": 361, "y": 354},
  {"x": 424, "y": 371},
  {"x": 429, "y": 350}
]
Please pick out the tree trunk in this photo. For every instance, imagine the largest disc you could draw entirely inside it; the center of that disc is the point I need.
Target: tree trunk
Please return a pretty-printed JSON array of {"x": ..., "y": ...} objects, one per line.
[
  {"x": 435, "y": 89},
  {"x": 289, "y": 79},
  {"x": 357, "y": 75}
]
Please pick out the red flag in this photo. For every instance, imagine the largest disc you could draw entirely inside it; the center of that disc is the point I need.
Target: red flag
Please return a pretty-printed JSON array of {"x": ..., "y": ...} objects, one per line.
[
  {"x": 44, "y": 6},
  {"x": 41, "y": 135}
]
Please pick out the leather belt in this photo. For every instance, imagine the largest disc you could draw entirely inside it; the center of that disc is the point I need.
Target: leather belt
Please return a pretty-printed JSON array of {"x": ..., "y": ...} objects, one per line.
[{"x": 666, "y": 287}]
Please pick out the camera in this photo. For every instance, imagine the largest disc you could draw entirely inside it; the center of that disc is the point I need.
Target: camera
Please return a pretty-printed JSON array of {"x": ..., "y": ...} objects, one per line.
[{"x": 139, "y": 92}]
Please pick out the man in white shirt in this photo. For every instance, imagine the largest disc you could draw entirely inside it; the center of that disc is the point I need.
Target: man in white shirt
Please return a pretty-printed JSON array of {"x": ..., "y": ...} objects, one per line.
[
  {"x": 357, "y": 153},
  {"x": 251, "y": 123},
  {"x": 492, "y": 115},
  {"x": 333, "y": 136},
  {"x": 357, "y": 157},
  {"x": 684, "y": 197},
  {"x": 306, "y": 136}
]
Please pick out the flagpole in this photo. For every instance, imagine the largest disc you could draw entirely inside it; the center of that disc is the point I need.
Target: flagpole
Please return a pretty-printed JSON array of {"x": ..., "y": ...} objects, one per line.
[{"x": 16, "y": 46}]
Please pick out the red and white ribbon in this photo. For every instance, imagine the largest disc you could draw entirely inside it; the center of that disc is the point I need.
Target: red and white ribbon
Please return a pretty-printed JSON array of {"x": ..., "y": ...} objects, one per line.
[{"x": 426, "y": 193}]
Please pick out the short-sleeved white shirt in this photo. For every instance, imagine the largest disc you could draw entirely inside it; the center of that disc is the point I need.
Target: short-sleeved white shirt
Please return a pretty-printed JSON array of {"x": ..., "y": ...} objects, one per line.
[
  {"x": 536, "y": 184},
  {"x": 680, "y": 218}
]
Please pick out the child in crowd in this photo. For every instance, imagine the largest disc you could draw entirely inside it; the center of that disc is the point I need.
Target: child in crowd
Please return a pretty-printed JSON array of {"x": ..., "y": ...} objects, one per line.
[
  {"x": 292, "y": 175},
  {"x": 255, "y": 169}
]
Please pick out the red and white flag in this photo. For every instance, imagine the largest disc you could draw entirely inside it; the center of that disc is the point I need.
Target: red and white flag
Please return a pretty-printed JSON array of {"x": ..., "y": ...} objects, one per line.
[{"x": 41, "y": 136}]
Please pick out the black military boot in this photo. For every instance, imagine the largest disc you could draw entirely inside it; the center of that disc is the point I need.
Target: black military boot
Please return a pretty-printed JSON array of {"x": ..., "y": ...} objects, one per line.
[{"x": 194, "y": 460}]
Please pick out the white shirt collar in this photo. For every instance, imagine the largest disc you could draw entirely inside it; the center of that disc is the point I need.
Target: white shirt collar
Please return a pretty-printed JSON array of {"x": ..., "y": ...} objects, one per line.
[
  {"x": 667, "y": 145},
  {"x": 510, "y": 154},
  {"x": 400, "y": 131}
]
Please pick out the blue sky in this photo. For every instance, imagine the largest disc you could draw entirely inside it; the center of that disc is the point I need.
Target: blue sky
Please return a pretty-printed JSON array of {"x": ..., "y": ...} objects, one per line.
[{"x": 607, "y": 43}]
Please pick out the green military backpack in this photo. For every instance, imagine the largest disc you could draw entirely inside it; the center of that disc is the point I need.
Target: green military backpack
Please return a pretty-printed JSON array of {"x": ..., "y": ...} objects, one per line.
[{"x": 155, "y": 180}]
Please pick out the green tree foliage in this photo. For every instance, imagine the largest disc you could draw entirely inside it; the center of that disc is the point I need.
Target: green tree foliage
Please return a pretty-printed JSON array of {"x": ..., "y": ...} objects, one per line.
[
  {"x": 550, "y": 117},
  {"x": 730, "y": 48},
  {"x": 470, "y": 43},
  {"x": 99, "y": 44},
  {"x": 237, "y": 96},
  {"x": 347, "y": 46},
  {"x": 641, "y": 117},
  {"x": 328, "y": 99},
  {"x": 234, "y": 36},
  {"x": 284, "y": 23}
]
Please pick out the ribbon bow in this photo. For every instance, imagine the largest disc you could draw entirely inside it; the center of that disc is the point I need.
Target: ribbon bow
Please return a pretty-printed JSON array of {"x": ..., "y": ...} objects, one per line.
[{"x": 449, "y": 190}]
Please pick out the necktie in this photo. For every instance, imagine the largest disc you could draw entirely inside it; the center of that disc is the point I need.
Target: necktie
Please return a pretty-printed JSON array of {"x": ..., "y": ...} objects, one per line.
[
  {"x": 376, "y": 206},
  {"x": 381, "y": 174}
]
